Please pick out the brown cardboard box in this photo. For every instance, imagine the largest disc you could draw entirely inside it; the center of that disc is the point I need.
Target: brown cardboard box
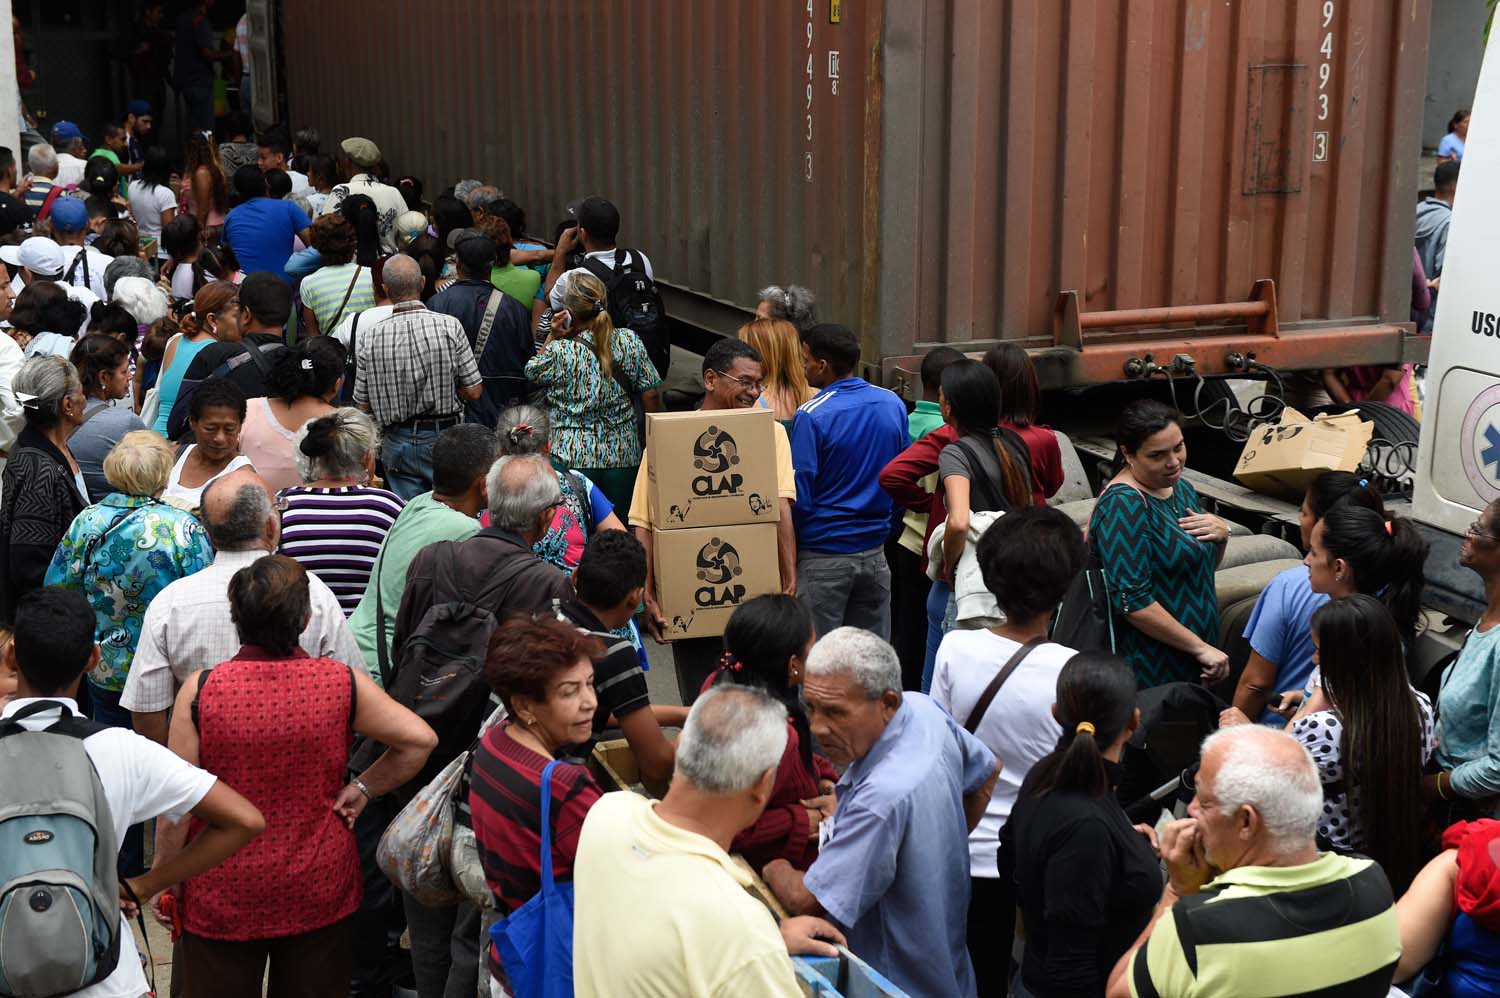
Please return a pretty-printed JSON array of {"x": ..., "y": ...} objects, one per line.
[
  {"x": 708, "y": 469},
  {"x": 1282, "y": 460},
  {"x": 704, "y": 574}
]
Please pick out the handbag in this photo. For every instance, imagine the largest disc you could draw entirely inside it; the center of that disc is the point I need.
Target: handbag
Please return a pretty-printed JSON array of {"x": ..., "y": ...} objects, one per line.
[
  {"x": 1085, "y": 621},
  {"x": 414, "y": 851},
  {"x": 535, "y": 942}
]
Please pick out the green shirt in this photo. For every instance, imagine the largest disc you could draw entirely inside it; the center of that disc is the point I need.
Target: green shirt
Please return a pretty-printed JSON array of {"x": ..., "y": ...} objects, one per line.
[
  {"x": 1276, "y": 930},
  {"x": 110, "y": 155},
  {"x": 927, "y": 417},
  {"x": 423, "y": 521},
  {"x": 521, "y": 283}
]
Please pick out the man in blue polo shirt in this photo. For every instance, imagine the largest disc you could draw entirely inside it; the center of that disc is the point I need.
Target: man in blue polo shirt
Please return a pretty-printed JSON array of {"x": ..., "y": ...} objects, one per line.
[{"x": 841, "y": 439}]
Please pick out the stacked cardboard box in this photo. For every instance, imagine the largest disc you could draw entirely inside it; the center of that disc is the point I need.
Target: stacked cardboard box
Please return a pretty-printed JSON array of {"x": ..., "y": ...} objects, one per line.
[{"x": 713, "y": 496}]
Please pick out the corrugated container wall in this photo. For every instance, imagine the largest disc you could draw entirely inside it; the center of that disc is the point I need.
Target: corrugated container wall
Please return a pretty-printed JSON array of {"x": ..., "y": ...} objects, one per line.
[{"x": 936, "y": 170}]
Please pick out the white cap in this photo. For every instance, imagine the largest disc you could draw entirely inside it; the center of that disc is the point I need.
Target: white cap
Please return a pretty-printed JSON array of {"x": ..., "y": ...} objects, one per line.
[{"x": 38, "y": 254}]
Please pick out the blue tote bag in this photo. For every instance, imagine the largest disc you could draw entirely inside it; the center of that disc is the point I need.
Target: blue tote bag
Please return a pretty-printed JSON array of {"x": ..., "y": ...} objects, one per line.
[{"x": 536, "y": 942}]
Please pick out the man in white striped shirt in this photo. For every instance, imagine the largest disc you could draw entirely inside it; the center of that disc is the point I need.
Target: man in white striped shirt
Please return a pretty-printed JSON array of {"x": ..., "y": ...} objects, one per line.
[{"x": 188, "y": 627}]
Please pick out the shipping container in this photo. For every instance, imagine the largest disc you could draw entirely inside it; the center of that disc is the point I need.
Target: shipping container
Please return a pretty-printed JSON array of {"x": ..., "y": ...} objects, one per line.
[{"x": 1095, "y": 180}]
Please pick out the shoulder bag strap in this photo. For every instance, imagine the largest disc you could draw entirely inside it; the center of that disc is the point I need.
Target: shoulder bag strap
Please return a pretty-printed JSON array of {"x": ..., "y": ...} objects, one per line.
[
  {"x": 254, "y": 353},
  {"x": 977, "y": 714},
  {"x": 96, "y": 410},
  {"x": 343, "y": 304},
  {"x": 994, "y": 495},
  {"x": 382, "y": 653},
  {"x": 583, "y": 501},
  {"x": 547, "y": 881},
  {"x": 487, "y": 323}
]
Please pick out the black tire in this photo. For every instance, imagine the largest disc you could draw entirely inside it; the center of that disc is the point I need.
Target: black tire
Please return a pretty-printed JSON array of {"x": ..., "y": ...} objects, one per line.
[{"x": 1393, "y": 445}]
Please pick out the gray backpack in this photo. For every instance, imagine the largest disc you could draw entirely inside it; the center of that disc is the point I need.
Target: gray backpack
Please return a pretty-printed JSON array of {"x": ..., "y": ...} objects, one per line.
[{"x": 59, "y": 896}]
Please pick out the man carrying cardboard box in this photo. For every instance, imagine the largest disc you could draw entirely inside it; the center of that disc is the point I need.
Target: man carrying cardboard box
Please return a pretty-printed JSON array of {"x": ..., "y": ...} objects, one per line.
[{"x": 732, "y": 373}]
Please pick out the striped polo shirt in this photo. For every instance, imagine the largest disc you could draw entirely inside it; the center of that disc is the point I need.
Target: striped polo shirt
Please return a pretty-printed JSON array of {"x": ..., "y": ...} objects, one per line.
[
  {"x": 323, "y": 291},
  {"x": 335, "y": 534},
  {"x": 1326, "y": 928}
]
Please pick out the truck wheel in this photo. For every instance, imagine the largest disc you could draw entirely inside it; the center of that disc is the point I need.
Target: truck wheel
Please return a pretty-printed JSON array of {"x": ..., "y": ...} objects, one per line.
[{"x": 1393, "y": 447}]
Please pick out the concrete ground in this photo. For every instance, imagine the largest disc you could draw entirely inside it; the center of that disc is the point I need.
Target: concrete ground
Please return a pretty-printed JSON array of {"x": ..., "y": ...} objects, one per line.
[{"x": 661, "y": 679}]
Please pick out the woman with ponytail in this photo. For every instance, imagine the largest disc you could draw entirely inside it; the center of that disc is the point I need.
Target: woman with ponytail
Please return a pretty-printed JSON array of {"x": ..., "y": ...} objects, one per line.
[
  {"x": 766, "y": 643},
  {"x": 1281, "y": 647},
  {"x": 1159, "y": 550},
  {"x": 588, "y": 372},
  {"x": 301, "y": 385},
  {"x": 1372, "y": 739},
  {"x": 1355, "y": 549},
  {"x": 1086, "y": 880},
  {"x": 335, "y": 523}
]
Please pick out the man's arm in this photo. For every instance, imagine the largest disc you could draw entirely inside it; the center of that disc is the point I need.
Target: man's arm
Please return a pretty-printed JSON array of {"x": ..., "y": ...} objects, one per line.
[
  {"x": 789, "y": 885},
  {"x": 653, "y": 753},
  {"x": 978, "y": 801},
  {"x": 1187, "y": 872},
  {"x": 786, "y": 549},
  {"x": 232, "y": 822}
]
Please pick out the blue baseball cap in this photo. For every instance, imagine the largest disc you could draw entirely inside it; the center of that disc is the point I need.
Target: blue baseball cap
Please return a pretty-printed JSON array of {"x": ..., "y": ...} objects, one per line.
[
  {"x": 66, "y": 131},
  {"x": 138, "y": 107},
  {"x": 69, "y": 215}
]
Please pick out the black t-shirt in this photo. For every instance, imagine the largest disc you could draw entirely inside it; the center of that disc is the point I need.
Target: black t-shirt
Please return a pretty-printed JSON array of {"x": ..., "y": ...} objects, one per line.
[
  {"x": 13, "y": 214},
  {"x": 246, "y": 375},
  {"x": 619, "y": 680}
]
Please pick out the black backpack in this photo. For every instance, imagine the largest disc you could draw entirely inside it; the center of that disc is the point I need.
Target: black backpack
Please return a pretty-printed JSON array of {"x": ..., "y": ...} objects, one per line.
[
  {"x": 439, "y": 675},
  {"x": 635, "y": 303},
  {"x": 177, "y": 420}
]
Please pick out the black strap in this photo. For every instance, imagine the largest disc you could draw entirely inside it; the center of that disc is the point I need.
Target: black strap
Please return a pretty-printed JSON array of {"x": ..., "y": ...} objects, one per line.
[
  {"x": 994, "y": 495},
  {"x": 353, "y": 697},
  {"x": 261, "y": 363},
  {"x": 582, "y": 492},
  {"x": 140, "y": 919},
  {"x": 382, "y": 653},
  {"x": 197, "y": 693},
  {"x": 96, "y": 410},
  {"x": 69, "y": 723},
  {"x": 987, "y": 697},
  {"x": 343, "y": 304}
]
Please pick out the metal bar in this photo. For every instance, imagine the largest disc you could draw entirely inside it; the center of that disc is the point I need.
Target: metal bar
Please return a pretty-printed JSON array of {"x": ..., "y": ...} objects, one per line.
[{"x": 1170, "y": 314}]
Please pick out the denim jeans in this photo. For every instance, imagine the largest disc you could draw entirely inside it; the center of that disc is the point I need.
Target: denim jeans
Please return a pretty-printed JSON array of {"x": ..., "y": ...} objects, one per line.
[
  {"x": 406, "y": 452},
  {"x": 851, "y": 590},
  {"x": 106, "y": 709},
  {"x": 942, "y": 617}
]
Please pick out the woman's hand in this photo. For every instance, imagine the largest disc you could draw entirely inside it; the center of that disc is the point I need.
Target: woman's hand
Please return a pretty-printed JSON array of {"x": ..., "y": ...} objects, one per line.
[
  {"x": 1149, "y": 833},
  {"x": 1291, "y": 702},
  {"x": 1205, "y": 527},
  {"x": 1215, "y": 663},
  {"x": 1231, "y": 717},
  {"x": 824, "y": 805},
  {"x": 350, "y": 803}
]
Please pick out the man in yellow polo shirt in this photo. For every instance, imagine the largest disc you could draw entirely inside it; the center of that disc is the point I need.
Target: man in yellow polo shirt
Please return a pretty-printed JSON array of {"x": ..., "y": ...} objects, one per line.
[
  {"x": 659, "y": 906},
  {"x": 1251, "y": 908},
  {"x": 732, "y": 373}
]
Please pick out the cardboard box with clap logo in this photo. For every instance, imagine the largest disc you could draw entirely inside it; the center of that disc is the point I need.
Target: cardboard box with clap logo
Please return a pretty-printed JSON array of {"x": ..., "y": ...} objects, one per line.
[
  {"x": 1282, "y": 460},
  {"x": 704, "y": 574},
  {"x": 710, "y": 469}
]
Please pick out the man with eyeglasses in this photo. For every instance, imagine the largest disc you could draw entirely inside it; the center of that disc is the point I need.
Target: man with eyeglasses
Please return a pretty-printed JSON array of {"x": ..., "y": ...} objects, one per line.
[{"x": 732, "y": 373}]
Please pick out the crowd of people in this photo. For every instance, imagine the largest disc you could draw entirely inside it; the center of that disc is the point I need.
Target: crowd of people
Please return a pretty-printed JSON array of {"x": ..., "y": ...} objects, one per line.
[{"x": 284, "y": 443}]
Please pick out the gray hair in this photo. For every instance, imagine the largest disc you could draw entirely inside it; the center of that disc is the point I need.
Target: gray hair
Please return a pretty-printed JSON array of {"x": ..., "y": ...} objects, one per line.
[
  {"x": 523, "y": 429},
  {"x": 350, "y": 437},
  {"x": 129, "y": 266},
  {"x": 464, "y": 188},
  {"x": 402, "y": 277},
  {"x": 41, "y": 385},
  {"x": 301, "y": 201},
  {"x": 1272, "y": 773},
  {"x": 486, "y": 199},
  {"x": 732, "y": 736},
  {"x": 794, "y": 303},
  {"x": 520, "y": 487},
  {"x": 243, "y": 527},
  {"x": 42, "y": 160},
  {"x": 871, "y": 661}
]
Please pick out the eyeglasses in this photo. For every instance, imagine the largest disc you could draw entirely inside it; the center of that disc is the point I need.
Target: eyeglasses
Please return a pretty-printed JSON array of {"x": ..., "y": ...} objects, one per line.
[
  {"x": 1474, "y": 530},
  {"x": 754, "y": 386}
]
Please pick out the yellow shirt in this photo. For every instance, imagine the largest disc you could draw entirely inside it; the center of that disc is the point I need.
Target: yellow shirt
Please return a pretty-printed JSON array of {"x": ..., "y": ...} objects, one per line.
[
  {"x": 786, "y": 480},
  {"x": 659, "y": 911}
]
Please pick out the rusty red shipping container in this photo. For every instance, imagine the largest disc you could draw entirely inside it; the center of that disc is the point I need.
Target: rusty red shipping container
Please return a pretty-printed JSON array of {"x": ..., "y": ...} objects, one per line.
[{"x": 938, "y": 171}]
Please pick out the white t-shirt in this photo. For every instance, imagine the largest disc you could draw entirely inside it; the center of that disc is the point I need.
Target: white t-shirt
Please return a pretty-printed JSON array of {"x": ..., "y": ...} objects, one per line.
[
  {"x": 141, "y": 780},
  {"x": 299, "y": 182},
  {"x": 1018, "y": 727},
  {"x": 147, "y": 205},
  {"x": 96, "y": 263},
  {"x": 367, "y": 321},
  {"x": 555, "y": 298},
  {"x": 182, "y": 281},
  {"x": 69, "y": 170}
]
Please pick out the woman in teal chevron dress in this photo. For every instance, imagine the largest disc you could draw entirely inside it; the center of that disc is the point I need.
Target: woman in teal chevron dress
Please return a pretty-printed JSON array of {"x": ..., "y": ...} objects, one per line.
[{"x": 1159, "y": 551}]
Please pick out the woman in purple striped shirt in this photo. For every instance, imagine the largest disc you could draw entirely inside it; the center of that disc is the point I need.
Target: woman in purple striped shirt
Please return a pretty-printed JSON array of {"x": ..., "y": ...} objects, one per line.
[{"x": 334, "y": 525}]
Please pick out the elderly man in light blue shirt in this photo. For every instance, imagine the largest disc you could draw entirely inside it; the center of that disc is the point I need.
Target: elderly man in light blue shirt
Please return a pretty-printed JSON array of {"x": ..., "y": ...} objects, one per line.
[{"x": 893, "y": 867}]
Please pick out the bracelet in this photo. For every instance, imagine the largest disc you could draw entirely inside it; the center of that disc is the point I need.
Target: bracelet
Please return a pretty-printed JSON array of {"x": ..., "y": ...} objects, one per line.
[
  {"x": 1441, "y": 795},
  {"x": 359, "y": 785}
]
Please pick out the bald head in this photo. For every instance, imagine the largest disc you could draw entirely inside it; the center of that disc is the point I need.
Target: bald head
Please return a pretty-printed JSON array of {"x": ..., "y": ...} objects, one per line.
[
  {"x": 403, "y": 278},
  {"x": 238, "y": 513}
]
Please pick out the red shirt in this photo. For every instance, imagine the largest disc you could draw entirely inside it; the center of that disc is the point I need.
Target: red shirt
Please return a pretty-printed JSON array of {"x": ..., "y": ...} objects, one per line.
[
  {"x": 781, "y": 831},
  {"x": 902, "y": 477},
  {"x": 278, "y": 730}
]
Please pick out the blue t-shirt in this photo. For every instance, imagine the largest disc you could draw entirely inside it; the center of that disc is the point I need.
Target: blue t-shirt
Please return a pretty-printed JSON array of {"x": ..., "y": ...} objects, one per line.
[
  {"x": 894, "y": 871},
  {"x": 1473, "y": 959},
  {"x": 1451, "y": 145},
  {"x": 261, "y": 231},
  {"x": 1279, "y": 630}
]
